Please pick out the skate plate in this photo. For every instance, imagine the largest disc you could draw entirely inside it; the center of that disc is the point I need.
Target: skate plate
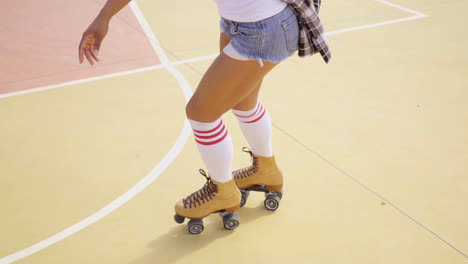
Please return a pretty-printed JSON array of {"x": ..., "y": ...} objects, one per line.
[{"x": 272, "y": 199}]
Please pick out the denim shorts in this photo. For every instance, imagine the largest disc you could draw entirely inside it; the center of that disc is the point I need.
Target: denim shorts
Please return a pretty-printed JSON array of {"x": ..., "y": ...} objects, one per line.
[{"x": 272, "y": 39}]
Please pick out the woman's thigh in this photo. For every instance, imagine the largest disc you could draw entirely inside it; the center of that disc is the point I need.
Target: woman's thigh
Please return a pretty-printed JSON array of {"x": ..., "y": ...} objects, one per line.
[
  {"x": 250, "y": 101},
  {"x": 224, "y": 40},
  {"x": 226, "y": 83}
]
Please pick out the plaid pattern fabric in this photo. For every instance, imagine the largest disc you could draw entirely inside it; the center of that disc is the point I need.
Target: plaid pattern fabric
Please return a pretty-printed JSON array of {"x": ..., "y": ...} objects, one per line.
[{"x": 311, "y": 33}]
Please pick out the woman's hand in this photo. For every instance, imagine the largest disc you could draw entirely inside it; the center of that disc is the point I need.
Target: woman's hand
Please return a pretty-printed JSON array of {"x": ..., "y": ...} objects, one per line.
[{"x": 92, "y": 39}]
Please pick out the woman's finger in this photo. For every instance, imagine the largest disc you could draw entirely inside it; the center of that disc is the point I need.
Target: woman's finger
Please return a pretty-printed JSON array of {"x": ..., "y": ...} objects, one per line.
[
  {"x": 93, "y": 52},
  {"x": 97, "y": 44},
  {"x": 81, "y": 55},
  {"x": 81, "y": 49},
  {"x": 88, "y": 55}
]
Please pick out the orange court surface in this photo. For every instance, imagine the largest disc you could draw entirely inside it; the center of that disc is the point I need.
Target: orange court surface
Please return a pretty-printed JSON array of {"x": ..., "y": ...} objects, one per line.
[{"x": 373, "y": 146}]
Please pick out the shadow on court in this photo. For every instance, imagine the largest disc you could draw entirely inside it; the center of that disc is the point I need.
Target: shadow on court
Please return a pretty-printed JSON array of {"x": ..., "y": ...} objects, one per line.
[{"x": 177, "y": 243}]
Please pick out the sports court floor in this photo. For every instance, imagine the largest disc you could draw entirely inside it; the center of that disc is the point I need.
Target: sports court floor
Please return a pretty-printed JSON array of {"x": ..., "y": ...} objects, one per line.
[{"x": 374, "y": 146}]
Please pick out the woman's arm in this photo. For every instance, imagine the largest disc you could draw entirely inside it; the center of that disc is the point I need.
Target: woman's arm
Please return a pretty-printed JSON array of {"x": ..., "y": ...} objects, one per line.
[
  {"x": 111, "y": 8},
  {"x": 92, "y": 38}
]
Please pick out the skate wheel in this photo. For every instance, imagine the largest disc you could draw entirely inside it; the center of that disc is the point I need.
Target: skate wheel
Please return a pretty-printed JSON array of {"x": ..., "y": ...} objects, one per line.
[
  {"x": 272, "y": 202},
  {"x": 280, "y": 194},
  {"x": 245, "y": 195},
  {"x": 195, "y": 226},
  {"x": 231, "y": 221},
  {"x": 179, "y": 219}
]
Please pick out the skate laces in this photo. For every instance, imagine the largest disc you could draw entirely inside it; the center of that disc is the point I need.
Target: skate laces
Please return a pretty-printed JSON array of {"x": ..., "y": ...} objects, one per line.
[
  {"x": 250, "y": 170},
  {"x": 208, "y": 192}
]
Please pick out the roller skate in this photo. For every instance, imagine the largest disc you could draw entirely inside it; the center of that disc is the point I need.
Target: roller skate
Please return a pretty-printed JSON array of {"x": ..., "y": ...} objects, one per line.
[
  {"x": 223, "y": 198},
  {"x": 262, "y": 176}
]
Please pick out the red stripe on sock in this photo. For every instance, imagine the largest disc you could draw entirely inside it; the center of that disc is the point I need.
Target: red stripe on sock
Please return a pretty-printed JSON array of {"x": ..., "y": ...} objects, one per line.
[
  {"x": 209, "y": 131},
  {"x": 212, "y": 136},
  {"x": 260, "y": 117},
  {"x": 213, "y": 142},
  {"x": 256, "y": 111}
]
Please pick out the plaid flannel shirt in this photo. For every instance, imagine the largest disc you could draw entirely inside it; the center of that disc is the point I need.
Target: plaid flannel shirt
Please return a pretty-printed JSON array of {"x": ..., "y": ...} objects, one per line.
[{"x": 311, "y": 33}]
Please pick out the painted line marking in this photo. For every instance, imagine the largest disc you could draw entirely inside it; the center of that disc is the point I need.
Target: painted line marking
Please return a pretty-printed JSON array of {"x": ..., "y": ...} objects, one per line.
[
  {"x": 336, "y": 32},
  {"x": 142, "y": 184},
  {"x": 106, "y": 76},
  {"x": 416, "y": 15},
  {"x": 411, "y": 11},
  {"x": 101, "y": 77},
  {"x": 181, "y": 140}
]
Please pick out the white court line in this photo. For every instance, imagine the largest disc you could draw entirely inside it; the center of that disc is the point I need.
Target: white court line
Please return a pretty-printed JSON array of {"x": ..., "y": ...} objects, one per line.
[
  {"x": 101, "y": 77},
  {"x": 417, "y": 15},
  {"x": 142, "y": 184},
  {"x": 331, "y": 33},
  {"x": 106, "y": 76},
  {"x": 181, "y": 140},
  {"x": 208, "y": 57},
  {"x": 411, "y": 11}
]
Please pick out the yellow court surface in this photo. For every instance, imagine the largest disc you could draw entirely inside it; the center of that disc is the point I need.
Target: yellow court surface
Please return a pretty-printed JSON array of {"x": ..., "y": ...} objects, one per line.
[{"x": 373, "y": 146}]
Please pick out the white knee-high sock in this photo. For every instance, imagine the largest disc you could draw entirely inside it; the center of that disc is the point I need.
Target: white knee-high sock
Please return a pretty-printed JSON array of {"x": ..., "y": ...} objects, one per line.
[
  {"x": 215, "y": 147},
  {"x": 256, "y": 127}
]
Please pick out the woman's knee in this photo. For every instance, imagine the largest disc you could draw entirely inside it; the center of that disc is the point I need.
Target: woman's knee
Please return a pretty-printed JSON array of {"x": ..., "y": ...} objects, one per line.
[
  {"x": 191, "y": 110},
  {"x": 198, "y": 111}
]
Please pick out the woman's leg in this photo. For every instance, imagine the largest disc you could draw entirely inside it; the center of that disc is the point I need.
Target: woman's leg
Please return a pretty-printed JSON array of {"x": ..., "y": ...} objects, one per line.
[
  {"x": 251, "y": 100},
  {"x": 258, "y": 134},
  {"x": 225, "y": 84}
]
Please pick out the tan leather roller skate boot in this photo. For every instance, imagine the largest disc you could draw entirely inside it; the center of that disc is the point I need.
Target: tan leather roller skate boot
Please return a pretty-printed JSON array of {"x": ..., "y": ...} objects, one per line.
[
  {"x": 223, "y": 198},
  {"x": 262, "y": 176}
]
